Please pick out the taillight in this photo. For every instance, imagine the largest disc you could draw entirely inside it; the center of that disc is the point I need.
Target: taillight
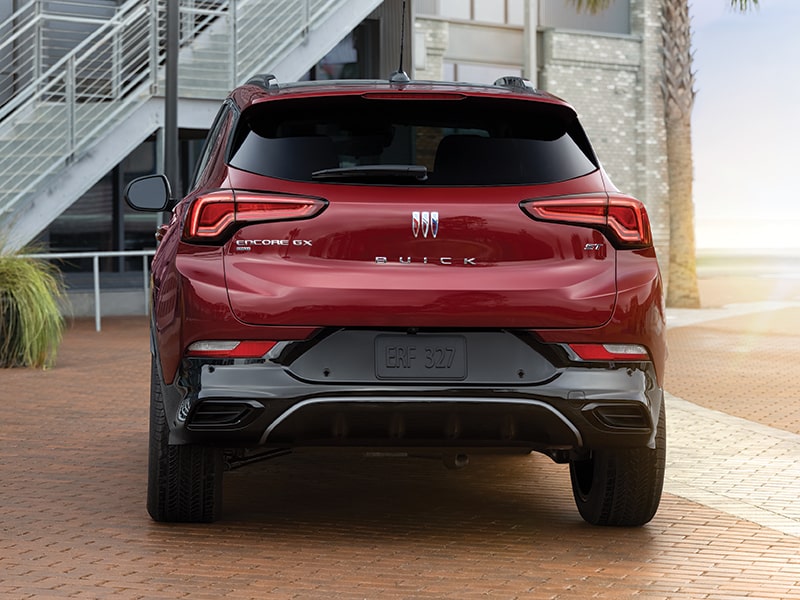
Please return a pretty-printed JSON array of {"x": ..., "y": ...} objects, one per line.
[
  {"x": 623, "y": 219},
  {"x": 230, "y": 349},
  {"x": 610, "y": 352},
  {"x": 212, "y": 217},
  {"x": 629, "y": 221}
]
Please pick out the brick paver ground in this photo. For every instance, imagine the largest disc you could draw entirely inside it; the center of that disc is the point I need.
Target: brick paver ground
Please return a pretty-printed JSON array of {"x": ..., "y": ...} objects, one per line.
[
  {"x": 73, "y": 459},
  {"x": 744, "y": 366}
]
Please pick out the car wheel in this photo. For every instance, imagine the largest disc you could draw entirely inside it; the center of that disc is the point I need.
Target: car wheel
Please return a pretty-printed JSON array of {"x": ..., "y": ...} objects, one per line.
[
  {"x": 621, "y": 487},
  {"x": 184, "y": 481}
]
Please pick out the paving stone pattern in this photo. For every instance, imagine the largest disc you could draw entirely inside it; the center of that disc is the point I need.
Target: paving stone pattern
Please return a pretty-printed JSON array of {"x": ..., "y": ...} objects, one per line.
[{"x": 73, "y": 460}]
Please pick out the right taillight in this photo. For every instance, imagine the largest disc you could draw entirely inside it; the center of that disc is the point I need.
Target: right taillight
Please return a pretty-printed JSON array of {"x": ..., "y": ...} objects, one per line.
[
  {"x": 627, "y": 217},
  {"x": 623, "y": 219},
  {"x": 212, "y": 217}
]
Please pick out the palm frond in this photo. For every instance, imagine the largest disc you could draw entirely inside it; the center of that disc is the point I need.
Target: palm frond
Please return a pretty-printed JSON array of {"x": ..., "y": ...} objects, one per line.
[{"x": 744, "y": 5}]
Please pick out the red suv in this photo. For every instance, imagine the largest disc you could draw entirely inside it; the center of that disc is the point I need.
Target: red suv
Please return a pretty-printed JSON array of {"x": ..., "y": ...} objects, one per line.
[{"x": 404, "y": 266}]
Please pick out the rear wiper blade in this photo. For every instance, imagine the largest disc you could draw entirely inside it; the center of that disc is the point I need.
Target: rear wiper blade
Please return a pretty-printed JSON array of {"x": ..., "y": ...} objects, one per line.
[{"x": 418, "y": 172}]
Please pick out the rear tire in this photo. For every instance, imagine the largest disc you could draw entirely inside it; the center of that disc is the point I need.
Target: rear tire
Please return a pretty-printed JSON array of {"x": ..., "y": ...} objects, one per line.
[
  {"x": 184, "y": 481},
  {"x": 621, "y": 487}
]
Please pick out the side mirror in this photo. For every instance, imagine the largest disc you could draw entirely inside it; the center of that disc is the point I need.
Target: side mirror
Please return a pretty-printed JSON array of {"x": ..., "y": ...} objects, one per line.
[{"x": 150, "y": 193}]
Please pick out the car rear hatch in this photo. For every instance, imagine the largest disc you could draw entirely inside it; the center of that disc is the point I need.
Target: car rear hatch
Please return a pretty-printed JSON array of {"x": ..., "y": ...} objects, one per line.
[
  {"x": 470, "y": 264},
  {"x": 436, "y": 212}
]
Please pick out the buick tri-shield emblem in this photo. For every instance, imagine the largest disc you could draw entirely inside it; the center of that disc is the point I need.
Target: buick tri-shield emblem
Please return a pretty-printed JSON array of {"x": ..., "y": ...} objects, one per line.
[{"x": 423, "y": 223}]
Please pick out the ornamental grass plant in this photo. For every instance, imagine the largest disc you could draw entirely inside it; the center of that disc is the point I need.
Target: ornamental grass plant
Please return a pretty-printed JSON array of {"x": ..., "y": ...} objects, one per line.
[{"x": 31, "y": 324}]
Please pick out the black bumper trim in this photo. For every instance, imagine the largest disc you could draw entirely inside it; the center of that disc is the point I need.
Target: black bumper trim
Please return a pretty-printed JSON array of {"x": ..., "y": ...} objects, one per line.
[
  {"x": 439, "y": 402},
  {"x": 584, "y": 407}
]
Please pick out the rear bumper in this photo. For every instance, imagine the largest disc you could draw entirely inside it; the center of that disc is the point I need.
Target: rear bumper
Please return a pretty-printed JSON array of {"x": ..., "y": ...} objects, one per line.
[{"x": 264, "y": 404}]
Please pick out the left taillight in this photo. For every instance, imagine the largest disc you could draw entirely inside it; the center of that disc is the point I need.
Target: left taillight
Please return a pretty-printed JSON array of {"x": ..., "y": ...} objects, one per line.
[
  {"x": 623, "y": 219},
  {"x": 214, "y": 216}
]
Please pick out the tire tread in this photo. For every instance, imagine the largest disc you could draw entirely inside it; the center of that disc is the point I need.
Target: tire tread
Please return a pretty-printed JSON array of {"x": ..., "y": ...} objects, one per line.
[
  {"x": 184, "y": 481},
  {"x": 626, "y": 483}
]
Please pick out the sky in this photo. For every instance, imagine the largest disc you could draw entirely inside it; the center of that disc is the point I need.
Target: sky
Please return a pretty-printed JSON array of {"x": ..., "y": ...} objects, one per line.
[{"x": 746, "y": 125}]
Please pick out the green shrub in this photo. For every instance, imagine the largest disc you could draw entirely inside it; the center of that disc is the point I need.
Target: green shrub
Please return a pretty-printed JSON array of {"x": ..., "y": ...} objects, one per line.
[{"x": 30, "y": 320}]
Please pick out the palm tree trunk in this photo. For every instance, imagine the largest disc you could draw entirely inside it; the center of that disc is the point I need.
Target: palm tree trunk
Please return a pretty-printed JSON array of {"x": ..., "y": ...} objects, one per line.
[{"x": 678, "y": 88}]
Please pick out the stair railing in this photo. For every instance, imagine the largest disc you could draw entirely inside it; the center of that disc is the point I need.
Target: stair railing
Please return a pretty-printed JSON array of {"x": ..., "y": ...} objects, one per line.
[{"x": 51, "y": 115}]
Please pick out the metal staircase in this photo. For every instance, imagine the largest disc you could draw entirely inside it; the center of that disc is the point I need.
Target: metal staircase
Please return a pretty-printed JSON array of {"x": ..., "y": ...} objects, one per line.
[{"x": 73, "y": 106}]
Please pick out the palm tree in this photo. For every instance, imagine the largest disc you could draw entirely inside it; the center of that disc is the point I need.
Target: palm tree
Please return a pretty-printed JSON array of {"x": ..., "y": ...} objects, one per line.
[{"x": 678, "y": 87}]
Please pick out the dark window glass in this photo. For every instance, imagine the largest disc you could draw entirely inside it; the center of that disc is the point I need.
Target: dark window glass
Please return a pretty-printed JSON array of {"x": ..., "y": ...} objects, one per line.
[
  {"x": 210, "y": 143},
  {"x": 473, "y": 141}
]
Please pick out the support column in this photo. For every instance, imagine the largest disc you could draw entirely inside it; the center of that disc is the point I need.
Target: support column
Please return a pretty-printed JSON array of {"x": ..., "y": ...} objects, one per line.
[
  {"x": 531, "y": 52},
  {"x": 171, "y": 164}
]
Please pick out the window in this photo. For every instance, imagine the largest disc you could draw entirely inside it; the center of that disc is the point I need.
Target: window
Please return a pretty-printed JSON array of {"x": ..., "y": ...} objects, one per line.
[
  {"x": 559, "y": 14},
  {"x": 490, "y": 11},
  {"x": 212, "y": 142},
  {"x": 478, "y": 73},
  {"x": 455, "y": 9},
  {"x": 562, "y": 15},
  {"x": 469, "y": 141},
  {"x": 508, "y": 12}
]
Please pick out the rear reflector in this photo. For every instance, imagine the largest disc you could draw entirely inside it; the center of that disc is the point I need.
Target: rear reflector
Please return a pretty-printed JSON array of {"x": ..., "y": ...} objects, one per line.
[
  {"x": 607, "y": 352},
  {"x": 230, "y": 349},
  {"x": 623, "y": 219},
  {"x": 213, "y": 216}
]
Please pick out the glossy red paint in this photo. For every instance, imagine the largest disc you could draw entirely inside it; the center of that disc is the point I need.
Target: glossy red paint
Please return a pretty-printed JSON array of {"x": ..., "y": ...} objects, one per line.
[
  {"x": 201, "y": 310},
  {"x": 638, "y": 316},
  {"x": 358, "y": 264}
]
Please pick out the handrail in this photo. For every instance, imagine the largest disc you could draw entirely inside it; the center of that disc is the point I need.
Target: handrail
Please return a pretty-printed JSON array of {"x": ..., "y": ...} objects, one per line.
[
  {"x": 107, "y": 26},
  {"x": 18, "y": 32},
  {"x": 96, "y": 256},
  {"x": 55, "y": 95},
  {"x": 211, "y": 12},
  {"x": 57, "y": 107}
]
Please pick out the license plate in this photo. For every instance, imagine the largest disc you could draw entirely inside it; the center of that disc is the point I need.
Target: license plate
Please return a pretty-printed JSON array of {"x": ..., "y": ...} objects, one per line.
[{"x": 420, "y": 357}]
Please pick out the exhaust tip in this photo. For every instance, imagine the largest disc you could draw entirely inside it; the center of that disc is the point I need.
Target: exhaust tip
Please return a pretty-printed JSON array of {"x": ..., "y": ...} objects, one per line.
[{"x": 455, "y": 461}]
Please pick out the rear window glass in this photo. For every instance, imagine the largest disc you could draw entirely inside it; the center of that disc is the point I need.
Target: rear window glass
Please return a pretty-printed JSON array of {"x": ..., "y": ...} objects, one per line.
[{"x": 471, "y": 141}]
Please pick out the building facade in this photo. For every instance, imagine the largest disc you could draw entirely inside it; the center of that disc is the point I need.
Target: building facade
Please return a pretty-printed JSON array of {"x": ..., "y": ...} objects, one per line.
[{"x": 606, "y": 65}]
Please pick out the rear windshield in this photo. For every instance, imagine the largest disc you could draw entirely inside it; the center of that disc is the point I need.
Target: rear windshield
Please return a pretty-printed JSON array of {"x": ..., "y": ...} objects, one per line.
[{"x": 469, "y": 141}]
